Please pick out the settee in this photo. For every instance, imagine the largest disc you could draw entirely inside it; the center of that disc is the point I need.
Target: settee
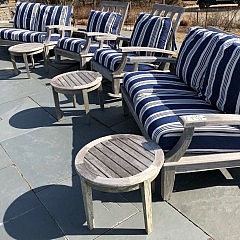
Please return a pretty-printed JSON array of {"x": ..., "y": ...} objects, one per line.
[
  {"x": 193, "y": 113},
  {"x": 35, "y": 22}
]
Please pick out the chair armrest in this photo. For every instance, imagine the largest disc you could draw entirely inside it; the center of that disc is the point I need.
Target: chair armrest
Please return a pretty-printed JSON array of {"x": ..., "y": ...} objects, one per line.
[
  {"x": 150, "y": 59},
  {"x": 61, "y": 27},
  {"x": 107, "y": 37},
  {"x": 145, "y": 49},
  {"x": 189, "y": 121},
  {"x": 92, "y": 34}
]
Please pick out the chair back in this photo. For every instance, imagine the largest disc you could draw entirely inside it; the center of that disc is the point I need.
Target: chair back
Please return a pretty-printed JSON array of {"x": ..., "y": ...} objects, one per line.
[
  {"x": 117, "y": 7},
  {"x": 175, "y": 13}
]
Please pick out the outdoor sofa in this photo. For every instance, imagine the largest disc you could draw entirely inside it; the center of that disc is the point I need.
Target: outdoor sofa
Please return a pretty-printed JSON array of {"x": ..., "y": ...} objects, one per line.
[
  {"x": 35, "y": 22},
  {"x": 192, "y": 114}
]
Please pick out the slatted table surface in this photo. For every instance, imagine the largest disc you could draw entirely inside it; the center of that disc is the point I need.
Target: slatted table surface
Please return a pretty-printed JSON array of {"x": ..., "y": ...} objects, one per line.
[
  {"x": 74, "y": 83},
  {"x": 116, "y": 163}
]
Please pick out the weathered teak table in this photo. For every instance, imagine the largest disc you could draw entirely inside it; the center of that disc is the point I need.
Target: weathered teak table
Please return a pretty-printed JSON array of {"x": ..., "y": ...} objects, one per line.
[
  {"x": 25, "y": 50},
  {"x": 74, "y": 83},
  {"x": 119, "y": 163}
]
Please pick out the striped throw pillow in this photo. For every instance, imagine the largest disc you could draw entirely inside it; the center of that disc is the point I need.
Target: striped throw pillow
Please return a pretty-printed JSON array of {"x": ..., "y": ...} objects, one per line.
[
  {"x": 53, "y": 15},
  {"x": 194, "y": 55},
  {"x": 151, "y": 31},
  {"x": 26, "y": 15},
  {"x": 221, "y": 85},
  {"x": 105, "y": 22}
]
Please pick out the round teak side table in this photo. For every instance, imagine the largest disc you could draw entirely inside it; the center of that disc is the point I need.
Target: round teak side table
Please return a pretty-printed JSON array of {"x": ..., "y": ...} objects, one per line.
[
  {"x": 25, "y": 50},
  {"x": 119, "y": 163},
  {"x": 74, "y": 83}
]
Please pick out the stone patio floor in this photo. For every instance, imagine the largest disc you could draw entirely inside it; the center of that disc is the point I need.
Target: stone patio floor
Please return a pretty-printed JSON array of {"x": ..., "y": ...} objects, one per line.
[{"x": 40, "y": 194}]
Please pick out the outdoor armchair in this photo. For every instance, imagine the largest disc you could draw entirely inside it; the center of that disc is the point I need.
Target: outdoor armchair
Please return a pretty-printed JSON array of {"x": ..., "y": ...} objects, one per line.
[
  {"x": 108, "y": 20},
  {"x": 152, "y": 36}
]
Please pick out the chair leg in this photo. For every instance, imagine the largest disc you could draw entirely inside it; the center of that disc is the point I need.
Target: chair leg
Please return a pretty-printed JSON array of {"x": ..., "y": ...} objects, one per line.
[
  {"x": 100, "y": 96},
  {"x": 116, "y": 86},
  {"x": 167, "y": 183},
  {"x": 57, "y": 58}
]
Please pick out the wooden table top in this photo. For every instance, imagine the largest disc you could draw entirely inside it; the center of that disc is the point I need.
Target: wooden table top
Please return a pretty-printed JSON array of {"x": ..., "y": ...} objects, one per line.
[
  {"x": 76, "y": 80},
  {"x": 120, "y": 160},
  {"x": 26, "y": 47}
]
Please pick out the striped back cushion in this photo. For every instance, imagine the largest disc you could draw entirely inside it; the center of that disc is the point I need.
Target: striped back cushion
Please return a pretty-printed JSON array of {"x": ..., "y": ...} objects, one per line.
[
  {"x": 221, "y": 85},
  {"x": 194, "y": 55},
  {"x": 26, "y": 15},
  {"x": 53, "y": 15},
  {"x": 151, "y": 31},
  {"x": 106, "y": 22}
]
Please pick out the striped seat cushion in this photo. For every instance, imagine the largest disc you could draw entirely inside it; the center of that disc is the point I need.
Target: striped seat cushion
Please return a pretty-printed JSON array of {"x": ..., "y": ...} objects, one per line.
[
  {"x": 25, "y": 35},
  {"x": 111, "y": 59},
  {"x": 159, "y": 99},
  {"x": 194, "y": 55},
  {"x": 151, "y": 31},
  {"x": 221, "y": 85},
  {"x": 53, "y": 15},
  {"x": 26, "y": 15},
  {"x": 77, "y": 44}
]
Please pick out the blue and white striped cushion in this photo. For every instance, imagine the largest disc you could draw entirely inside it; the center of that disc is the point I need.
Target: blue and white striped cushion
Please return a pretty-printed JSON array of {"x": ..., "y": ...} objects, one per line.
[
  {"x": 53, "y": 15},
  {"x": 105, "y": 22},
  {"x": 159, "y": 99},
  {"x": 221, "y": 85},
  {"x": 151, "y": 31},
  {"x": 194, "y": 55},
  {"x": 26, "y": 15},
  {"x": 111, "y": 59},
  {"x": 25, "y": 35},
  {"x": 77, "y": 44}
]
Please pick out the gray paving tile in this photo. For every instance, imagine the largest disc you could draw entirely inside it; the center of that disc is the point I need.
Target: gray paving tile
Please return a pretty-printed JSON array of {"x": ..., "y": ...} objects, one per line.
[
  {"x": 21, "y": 116},
  {"x": 109, "y": 209},
  {"x": 35, "y": 224},
  {"x": 14, "y": 201},
  {"x": 45, "y": 156},
  {"x": 215, "y": 206},
  {"x": 168, "y": 224},
  {"x": 18, "y": 87},
  {"x": 4, "y": 159}
]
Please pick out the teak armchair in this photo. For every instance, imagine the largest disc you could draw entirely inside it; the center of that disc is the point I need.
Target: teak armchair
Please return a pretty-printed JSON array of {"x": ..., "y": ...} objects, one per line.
[
  {"x": 153, "y": 34},
  {"x": 108, "y": 20}
]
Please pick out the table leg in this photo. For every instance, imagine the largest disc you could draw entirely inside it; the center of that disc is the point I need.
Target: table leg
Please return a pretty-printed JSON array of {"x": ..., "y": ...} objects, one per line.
[
  {"x": 147, "y": 205},
  {"x": 100, "y": 96},
  {"x": 57, "y": 105},
  {"x": 88, "y": 203},
  {"x": 45, "y": 58},
  {"x": 85, "y": 100},
  {"x": 26, "y": 64},
  {"x": 14, "y": 64},
  {"x": 33, "y": 62}
]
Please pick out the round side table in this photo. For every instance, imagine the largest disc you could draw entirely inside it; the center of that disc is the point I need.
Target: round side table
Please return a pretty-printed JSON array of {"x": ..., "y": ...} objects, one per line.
[
  {"x": 25, "y": 50},
  {"x": 119, "y": 163},
  {"x": 74, "y": 83}
]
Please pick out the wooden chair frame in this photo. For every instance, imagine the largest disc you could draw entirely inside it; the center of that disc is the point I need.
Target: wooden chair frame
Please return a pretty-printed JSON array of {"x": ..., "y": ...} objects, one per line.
[
  {"x": 84, "y": 56},
  {"x": 173, "y": 12}
]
